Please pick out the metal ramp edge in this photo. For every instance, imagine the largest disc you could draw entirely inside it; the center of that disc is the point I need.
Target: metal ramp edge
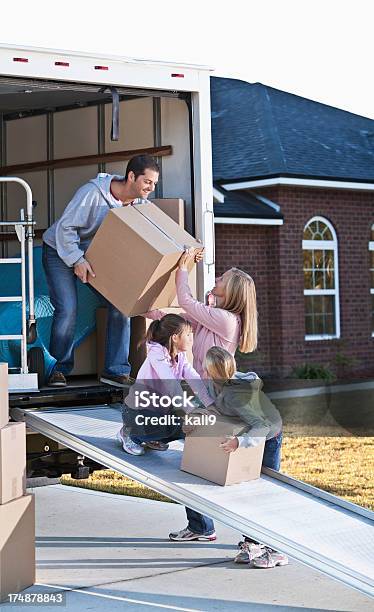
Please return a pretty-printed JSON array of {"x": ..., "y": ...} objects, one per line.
[{"x": 43, "y": 422}]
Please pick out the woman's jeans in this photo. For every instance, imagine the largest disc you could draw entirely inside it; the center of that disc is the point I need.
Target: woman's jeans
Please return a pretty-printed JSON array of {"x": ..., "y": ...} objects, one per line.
[
  {"x": 198, "y": 523},
  {"x": 62, "y": 284}
]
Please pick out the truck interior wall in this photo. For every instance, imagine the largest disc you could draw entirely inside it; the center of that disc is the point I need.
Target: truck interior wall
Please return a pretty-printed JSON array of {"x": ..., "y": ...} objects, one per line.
[
  {"x": 176, "y": 175},
  {"x": 136, "y": 126},
  {"x": 75, "y": 133},
  {"x": 25, "y": 143}
]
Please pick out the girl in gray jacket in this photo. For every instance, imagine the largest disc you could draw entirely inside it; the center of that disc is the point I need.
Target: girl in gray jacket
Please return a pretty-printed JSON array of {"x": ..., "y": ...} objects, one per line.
[{"x": 240, "y": 395}]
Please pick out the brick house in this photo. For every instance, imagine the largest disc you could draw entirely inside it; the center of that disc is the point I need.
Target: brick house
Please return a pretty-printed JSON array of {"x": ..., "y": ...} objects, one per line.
[{"x": 294, "y": 207}]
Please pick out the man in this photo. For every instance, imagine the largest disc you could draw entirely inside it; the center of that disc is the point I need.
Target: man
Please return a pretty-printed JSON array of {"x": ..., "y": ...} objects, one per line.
[{"x": 64, "y": 246}]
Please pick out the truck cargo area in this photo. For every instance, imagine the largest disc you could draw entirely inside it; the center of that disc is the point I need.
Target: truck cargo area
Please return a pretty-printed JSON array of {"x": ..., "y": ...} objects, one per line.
[{"x": 314, "y": 527}]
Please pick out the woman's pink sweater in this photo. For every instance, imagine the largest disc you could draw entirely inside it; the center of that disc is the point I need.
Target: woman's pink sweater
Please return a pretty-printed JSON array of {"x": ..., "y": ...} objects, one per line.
[{"x": 211, "y": 326}]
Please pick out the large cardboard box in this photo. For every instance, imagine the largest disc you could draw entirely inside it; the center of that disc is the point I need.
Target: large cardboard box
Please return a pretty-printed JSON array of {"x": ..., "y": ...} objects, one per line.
[
  {"x": 4, "y": 398},
  {"x": 17, "y": 546},
  {"x": 202, "y": 455},
  {"x": 12, "y": 462},
  {"x": 134, "y": 255}
]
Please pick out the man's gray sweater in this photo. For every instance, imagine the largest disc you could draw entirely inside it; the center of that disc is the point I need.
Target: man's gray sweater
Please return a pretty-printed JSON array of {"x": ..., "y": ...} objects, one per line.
[{"x": 71, "y": 234}]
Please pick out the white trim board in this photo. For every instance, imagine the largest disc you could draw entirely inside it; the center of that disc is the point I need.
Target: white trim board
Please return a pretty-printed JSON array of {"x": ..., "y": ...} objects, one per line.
[
  {"x": 218, "y": 196},
  {"x": 282, "y": 180},
  {"x": 247, "y": 221}
]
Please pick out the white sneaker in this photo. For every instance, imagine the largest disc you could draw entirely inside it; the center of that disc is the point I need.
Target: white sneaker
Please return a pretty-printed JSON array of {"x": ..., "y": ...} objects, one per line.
[
  {"x": 249, "y": 551},
  {"x": 186, "y": 535},
  {"x": 270, "y": 558},
  {"x": 130, "y": 447}
]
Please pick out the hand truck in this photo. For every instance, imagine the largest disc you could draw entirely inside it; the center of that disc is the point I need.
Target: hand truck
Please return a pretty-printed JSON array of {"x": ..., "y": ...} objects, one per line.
[{"x": 23, "y": 380}]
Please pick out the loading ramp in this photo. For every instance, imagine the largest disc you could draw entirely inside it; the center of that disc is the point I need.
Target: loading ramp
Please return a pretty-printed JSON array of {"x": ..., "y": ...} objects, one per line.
[{"x": 314, "y": 527}]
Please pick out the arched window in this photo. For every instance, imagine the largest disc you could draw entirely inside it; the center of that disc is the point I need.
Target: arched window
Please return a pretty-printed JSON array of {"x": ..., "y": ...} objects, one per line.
[
  {"x": 321, "y": 280},
  {"x": 371, "y": 249}
]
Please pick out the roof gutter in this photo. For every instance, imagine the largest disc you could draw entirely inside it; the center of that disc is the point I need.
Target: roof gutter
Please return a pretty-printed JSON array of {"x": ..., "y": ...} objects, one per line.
[
  {"x": 300, "y": 182},
  {"x": 247, "y": 221}
]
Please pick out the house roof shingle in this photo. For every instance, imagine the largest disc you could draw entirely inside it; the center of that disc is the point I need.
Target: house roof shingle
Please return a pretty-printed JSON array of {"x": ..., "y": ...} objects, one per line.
[{"x": 259, "y": 132}]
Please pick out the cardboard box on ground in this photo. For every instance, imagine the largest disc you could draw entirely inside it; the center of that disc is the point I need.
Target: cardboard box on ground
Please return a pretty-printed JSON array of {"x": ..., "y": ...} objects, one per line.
[
  {"x": 17, "y": 510},
  {"x": 17, "y": 546},
  {"x": 12, "y": 462},
  {"x": 4, "y": 402},
  {"x": 202, "y": 455},
  {"x": 134, "y": 255}
]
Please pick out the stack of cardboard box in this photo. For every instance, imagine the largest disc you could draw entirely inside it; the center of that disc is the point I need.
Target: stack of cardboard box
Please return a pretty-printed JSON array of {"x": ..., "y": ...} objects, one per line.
[{"x": 17, "y": 510}]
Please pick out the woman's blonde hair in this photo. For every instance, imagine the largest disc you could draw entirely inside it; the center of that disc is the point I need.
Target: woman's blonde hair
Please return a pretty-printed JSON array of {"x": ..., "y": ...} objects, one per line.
[
  {"x": 240, "y": 298},
  {"x": 219, "y": 364}
]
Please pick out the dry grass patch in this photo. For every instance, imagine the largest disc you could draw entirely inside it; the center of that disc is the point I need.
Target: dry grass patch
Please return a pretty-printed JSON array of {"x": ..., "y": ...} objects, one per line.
[{"x": 342, "y": 466}]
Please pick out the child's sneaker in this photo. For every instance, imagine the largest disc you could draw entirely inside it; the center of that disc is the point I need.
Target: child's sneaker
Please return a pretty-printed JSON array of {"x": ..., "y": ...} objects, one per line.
[
  {"x": 249, "y": 551},
  {"x": 186, "y": 535},
  {"x": 270, "y": 558},
  {"x": 128, "y": 445}
]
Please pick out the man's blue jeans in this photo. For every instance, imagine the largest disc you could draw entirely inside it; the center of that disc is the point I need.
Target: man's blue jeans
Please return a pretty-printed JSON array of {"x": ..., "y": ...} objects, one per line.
[
  {"x": 62, "y": 284},
  {"x": 198, "y": 523}
]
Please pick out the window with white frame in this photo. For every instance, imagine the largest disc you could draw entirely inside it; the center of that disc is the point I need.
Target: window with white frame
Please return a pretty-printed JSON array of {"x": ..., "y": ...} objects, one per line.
[
  {"x": 321, "y": 280},
  {"x": 371, "y": 249}
]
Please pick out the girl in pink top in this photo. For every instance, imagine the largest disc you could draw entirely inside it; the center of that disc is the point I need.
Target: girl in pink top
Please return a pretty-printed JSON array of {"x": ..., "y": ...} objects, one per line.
[
  {"x": 158, "y": 387},
  {"x": 230, "y": 324}
]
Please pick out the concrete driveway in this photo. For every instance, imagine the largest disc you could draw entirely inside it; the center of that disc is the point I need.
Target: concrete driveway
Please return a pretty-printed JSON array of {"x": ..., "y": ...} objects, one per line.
[{"x": 109, "y": 550}]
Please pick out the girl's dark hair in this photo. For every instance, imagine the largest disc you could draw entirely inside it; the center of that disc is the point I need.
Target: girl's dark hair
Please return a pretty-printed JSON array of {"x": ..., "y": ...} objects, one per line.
[
  {"x": 162, "y": 330},
  {"x": 140, "y": 163}
]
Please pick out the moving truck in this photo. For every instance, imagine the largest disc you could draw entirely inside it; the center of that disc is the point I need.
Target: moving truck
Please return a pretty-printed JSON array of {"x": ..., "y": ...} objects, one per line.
[{"x": 64, "y": 117}]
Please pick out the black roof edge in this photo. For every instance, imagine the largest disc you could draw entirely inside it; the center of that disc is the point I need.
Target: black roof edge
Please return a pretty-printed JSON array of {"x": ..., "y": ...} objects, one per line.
[
  {"x": 220, "y": 182},
  {"x": 249, "y": 216}
]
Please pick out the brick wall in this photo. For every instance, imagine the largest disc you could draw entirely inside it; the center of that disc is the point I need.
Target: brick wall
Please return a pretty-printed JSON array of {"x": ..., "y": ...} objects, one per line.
[{"x": 273, "y": 256}]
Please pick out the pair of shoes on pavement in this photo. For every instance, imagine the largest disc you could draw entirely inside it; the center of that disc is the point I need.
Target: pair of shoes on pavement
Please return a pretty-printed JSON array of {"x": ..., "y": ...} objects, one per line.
[
  {"x": 259, "y": 555},
  {"x": 132, "y": 448},
  {"x": 121, "y": 381},
  {"x": 262, "y": 557},
  {"x": 186, "y": 535}
]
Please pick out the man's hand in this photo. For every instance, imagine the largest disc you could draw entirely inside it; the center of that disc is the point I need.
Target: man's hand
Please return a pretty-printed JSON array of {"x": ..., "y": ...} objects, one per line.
[
  {"x": 82, "y": 270},
  {"x": 230, "y": 445}
]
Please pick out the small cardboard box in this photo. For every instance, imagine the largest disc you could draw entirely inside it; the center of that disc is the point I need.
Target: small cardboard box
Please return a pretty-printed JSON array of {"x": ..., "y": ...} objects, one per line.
[
  {"x": 17, "y": 546},
  {"x": 134, "y": 255},
  {"x": 173, "y": 207},
  {"x": 12, "y": 462},
  {"x": 4, "y": 397},
  {"x": 202, "y": 455}
]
